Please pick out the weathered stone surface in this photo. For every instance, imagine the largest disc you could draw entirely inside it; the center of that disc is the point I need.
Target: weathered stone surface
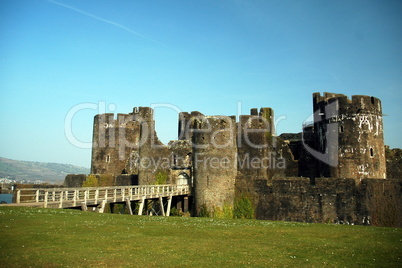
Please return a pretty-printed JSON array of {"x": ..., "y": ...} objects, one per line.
[
  {"x": 214, "y": 163},
  {"x": 352, "y": 131},
  {"x": 331, "y": 200},
  {"x": 318, "y": 175},
  {"x": 394, "y": 162},
  {"x": 126, "y": 179},
  {"x": 74, "y": 180}
]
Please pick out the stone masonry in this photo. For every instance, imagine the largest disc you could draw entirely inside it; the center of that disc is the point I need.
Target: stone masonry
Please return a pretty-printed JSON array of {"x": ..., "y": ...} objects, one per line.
[{"x": 333, "y": 171}]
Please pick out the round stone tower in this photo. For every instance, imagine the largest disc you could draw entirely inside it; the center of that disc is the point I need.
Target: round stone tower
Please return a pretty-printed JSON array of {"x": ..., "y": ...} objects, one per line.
[
  {"x": 349, "y": 136},
  {"x": 214, "y": 163}
]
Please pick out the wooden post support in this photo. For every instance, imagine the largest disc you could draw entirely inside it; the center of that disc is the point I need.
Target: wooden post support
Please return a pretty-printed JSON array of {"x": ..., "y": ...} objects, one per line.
[
  {"x": 18, "y": 196},
  {"x": 61, "y": 199},
  {"x": 85, "y": 195},
  {"x": 45, "y": 201},
  {"x": 84, "y": 206},
  {"x": 179, "y": 205},
  {"x": 161, "y": 204},
  {"x": 185, "y": 209},
  {"x": 141, "y": 208},
  {"x": 37, "y": 196},
  {"x": 96, "y": 196},
  {"x": 75, "y": 198},
  {"x": 102, "y": 207},
  {"x": 169, "y": 205},
  {"x": 128, "y": 203}
]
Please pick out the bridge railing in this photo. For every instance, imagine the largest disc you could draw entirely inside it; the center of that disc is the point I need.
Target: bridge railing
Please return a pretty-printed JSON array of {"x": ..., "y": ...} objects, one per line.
[{"x": 96, "y": 194}]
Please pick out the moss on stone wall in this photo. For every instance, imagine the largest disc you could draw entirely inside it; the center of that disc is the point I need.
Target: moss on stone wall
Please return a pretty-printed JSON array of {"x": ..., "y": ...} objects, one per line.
[
  {"x": 91, "y": 181},
  {"x": 161, "y": 178},
  {"x": 243, "y": 208},
  {"x": 102, "y": 180}
]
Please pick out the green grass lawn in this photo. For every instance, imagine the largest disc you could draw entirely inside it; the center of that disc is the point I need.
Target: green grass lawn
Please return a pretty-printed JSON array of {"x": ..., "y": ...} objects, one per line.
[{"x": 70, "y": 238}]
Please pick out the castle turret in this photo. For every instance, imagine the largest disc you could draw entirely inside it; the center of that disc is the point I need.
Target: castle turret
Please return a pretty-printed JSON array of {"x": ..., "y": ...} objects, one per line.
[
  {"x": 349, "y": 136},
  {"x": 113, "y": 140},
  {"x": 214, "y": 163}
]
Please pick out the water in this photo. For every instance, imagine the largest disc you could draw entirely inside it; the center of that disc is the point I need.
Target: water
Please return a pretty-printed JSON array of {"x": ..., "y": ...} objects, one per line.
[{"x": 7, "y": 198}]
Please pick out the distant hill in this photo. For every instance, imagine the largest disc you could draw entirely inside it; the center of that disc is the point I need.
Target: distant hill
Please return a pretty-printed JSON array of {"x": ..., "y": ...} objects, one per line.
[{"x": 37, "y": 171}]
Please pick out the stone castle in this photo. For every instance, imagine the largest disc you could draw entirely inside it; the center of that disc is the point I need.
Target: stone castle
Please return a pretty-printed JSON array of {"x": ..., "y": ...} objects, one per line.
[{"x": 333, "y": 171}]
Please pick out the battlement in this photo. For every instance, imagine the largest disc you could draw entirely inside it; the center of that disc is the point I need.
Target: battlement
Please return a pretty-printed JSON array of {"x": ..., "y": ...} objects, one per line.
[
  {"x": 362, "y": 104},
  {"x": 367, "y": 104},
  {"x": 214, "y": 122},
  {"x": 143, "y": 114},
  {"x": 108, "y": 120},
  {"x": 326, "y": 96}
]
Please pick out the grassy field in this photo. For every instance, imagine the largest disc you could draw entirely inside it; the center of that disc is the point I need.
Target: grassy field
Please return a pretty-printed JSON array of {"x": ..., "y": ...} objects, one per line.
[{"x": 69, "y": 238}]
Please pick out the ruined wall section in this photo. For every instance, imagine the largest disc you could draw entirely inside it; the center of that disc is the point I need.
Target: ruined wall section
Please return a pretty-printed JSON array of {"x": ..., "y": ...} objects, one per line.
[
  {"x": 186, "y": 124},
  {"x": 394, "y": 162},
  {"x": 260, "y": 152},
  {"x": 129, "y": 145},
  {"x": 214, "y": 163},
  {"x": 308, "y": 165},
  {"x": 153, "y": 156},
  {"x": 353, "y": 132}
]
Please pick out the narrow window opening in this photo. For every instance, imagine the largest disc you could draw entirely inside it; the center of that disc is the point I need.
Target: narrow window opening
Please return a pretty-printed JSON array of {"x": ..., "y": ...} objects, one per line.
[
  {"x": 341, "y": 130},
  {"x": 372, "y": 100},
  {"x": 371, "y": 152},
  {"x": 107, "y": 158}
]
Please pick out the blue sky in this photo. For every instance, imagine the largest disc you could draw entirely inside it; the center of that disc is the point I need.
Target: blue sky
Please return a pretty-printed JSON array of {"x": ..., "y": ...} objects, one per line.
[{"x": 217, "y": 57}]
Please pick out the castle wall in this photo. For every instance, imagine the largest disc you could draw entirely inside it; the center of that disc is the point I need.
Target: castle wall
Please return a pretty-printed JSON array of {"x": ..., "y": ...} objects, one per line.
[
  {"x": 381, "y": 201},
  {"x": 74, "y": 180},
  {"x": 154, "y": 155},
  {"x": 330, "y": 200},
  {"x": 394, "y": 162},
  {"x": 308, "y": 165},
  {"x": 186, "y": 124}
]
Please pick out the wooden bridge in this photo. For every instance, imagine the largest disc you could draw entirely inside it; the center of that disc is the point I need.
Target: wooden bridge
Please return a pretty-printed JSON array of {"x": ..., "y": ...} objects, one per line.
[{"x": 100, "y": 196}]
